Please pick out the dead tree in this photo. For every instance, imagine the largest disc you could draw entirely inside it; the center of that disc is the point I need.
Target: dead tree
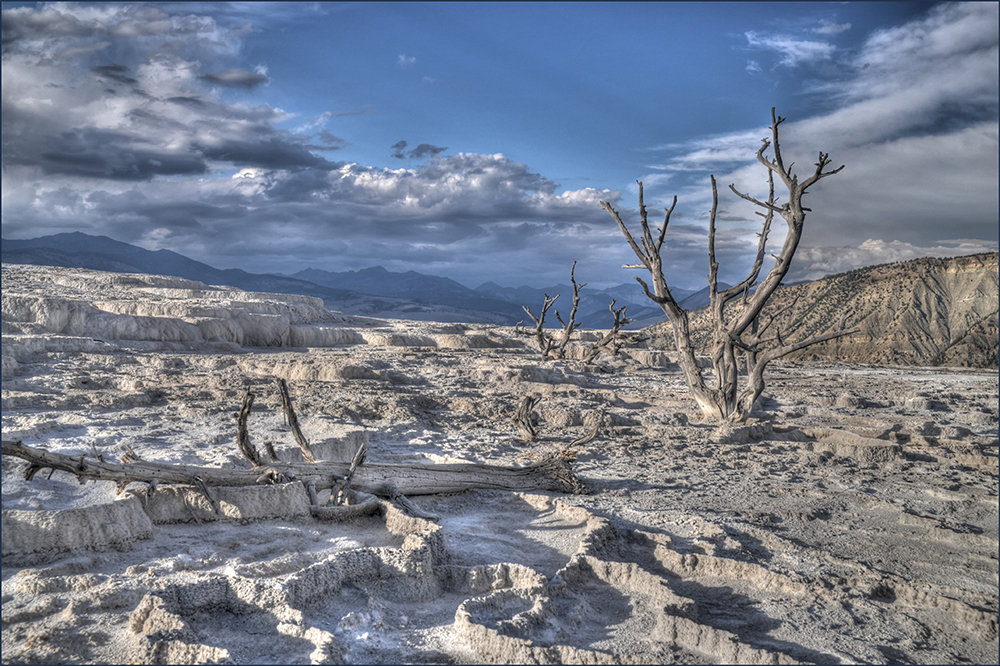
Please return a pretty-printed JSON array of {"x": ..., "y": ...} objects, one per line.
[
  {"x": 385, "y": 480},
  {"x": 741, "y": 331},
  {"x": 612, "y": 340},
  {"x": 545, "y": 342},
  {"x": 557, "y": 350},
  {"x": 560, "y": 349}
]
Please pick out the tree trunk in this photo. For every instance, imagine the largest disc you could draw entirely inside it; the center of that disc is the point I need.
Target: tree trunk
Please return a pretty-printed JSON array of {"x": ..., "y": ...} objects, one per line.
[{"x": 380, "y": 479}]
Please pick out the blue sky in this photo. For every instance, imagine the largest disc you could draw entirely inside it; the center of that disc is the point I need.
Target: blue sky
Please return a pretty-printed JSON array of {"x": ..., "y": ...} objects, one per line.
[{"x": 476, "y": 140}]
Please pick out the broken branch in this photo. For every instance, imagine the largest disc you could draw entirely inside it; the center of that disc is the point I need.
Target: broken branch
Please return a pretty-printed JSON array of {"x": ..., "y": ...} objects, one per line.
[
  {"x": 356, "y": 462},
  {"x": 293, "y": 422},
  {"x": 243, "y": 435}
]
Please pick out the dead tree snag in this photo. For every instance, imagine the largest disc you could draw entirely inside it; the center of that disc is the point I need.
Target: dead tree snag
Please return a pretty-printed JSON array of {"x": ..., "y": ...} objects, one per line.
[
  {"x": 545, "y": 342},
  {"x": 741, "y": 331},
  {"x": 557, "y": 350},
  {"x": 243, "y": 435},
  {"x": 339, "y": 498},
  {"x": 522, "y": 420},
  {"x": 560, "y": 349},
  {"x": 612, "y": 340}
]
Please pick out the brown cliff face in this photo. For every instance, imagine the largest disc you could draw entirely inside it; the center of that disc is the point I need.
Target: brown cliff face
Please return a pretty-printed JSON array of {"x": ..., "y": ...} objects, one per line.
[{"x": 923, "y": 312}]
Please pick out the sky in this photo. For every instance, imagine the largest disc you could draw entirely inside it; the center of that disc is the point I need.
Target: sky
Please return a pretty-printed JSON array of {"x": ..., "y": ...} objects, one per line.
[{"x": 476, "y": 140}]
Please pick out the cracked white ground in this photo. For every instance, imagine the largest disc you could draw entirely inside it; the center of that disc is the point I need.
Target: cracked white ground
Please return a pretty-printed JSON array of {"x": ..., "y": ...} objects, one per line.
[{"x": 855, "y": 521}]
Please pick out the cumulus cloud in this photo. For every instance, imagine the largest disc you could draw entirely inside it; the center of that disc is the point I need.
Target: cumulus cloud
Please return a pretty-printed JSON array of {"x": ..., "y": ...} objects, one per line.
[
  {"x": 120, "y": 120},
  {"x": 59, "y": 30},
  {"x": 447, "y": 214},
  {"x": 149, "y": 113},
  {"x": 406, "y": 61}
]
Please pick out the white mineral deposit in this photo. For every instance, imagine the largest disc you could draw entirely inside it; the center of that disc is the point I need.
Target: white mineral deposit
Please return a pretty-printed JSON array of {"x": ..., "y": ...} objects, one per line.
[{"x": 852, "y": 518}]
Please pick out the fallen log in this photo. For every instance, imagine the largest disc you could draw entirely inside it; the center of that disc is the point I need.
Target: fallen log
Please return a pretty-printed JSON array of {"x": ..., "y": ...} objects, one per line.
[{"x": 381, "y": 479}]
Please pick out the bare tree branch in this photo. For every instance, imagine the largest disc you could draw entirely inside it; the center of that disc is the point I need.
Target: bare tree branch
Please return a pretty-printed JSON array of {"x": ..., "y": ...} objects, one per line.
[{"x": 293, "y": 421}]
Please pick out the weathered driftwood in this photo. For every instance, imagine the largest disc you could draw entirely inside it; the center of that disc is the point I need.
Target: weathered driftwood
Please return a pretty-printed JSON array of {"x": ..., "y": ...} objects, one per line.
[
  {"x": 243, "y": 434},
  {"x": 380, "y": 479},
  {"x": 399, "y": 498},
  {"x": 591, "y": 434},
  {"x": 293, "y": 421},
  {"x": 525, "y": 428},
  {"x": 612, "y": 341},
  {"x": 340, "y": 497}
]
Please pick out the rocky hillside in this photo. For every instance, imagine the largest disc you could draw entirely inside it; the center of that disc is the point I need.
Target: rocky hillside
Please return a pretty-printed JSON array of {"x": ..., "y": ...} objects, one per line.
[{"x": 925, "y": 312}]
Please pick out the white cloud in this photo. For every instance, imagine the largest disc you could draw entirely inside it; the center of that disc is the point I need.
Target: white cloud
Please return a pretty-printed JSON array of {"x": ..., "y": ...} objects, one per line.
[
  {"x": 917, "y": 130},
  {"x": 460, "y": 206},
  {"x": 164, "y": 160},
  {"x": 793, "y": 51},
  {"x": 831, "y": 28},
  {"x": 406, "y": 61},
  {"x": 712, "y": 152},
  {"x": 753, "y": 66},
  {"x": 318, "y": 121},
  {"x": 153, "y": 112}
]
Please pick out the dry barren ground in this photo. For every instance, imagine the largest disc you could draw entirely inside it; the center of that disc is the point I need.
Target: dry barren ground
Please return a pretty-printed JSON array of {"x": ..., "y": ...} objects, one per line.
[{"x": 855, "y": 520}]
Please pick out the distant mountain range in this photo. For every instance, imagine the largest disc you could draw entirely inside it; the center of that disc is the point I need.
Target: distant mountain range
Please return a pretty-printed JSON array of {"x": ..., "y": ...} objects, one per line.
[
  {"x": 922, "y": 312},
  {"x": 372, "y": 291}
]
